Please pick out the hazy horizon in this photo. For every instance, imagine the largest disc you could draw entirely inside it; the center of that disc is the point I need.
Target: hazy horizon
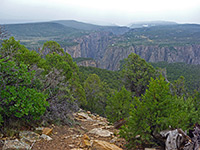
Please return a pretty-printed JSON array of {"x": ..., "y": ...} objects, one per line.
[{"x": 104, "y": 12}]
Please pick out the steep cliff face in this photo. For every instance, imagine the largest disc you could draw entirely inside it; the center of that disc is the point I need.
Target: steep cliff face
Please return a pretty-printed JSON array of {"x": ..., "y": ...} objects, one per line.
[
  {"x": 104, "y": 48},
  {"x": 189, "y": 54},
  {"x": 92, "y": 45}
]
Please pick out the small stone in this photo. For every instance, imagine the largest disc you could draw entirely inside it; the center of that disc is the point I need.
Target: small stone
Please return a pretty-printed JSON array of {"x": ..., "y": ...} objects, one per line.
[
  {"x": 99, "y": 123},
  {"x": 114, "y": 140},
  {"x": 46, "y": 137},
  {"x": 85, "y": 141},
  {"x": 39, "y": 128},
  {"x": 67, "y": 137},
  {"x": 102, "y": 145},
  {"x": 47, "y": 131},
  {"x": 88, "y": 112},
  {"x": 137, "y": 136},
  {"x": 76, "y": 136},
  {"x": 109, "y": 127},
  {"x": 71, "y": 145}
]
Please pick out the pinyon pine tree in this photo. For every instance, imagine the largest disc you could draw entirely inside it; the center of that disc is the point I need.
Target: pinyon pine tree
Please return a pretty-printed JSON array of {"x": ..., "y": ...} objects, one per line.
[{"x": 155, "y": 111}]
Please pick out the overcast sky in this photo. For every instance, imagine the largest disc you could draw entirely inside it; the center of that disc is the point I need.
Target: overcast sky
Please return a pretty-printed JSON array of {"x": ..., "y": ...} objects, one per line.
[{"x": 120, "y": 12}]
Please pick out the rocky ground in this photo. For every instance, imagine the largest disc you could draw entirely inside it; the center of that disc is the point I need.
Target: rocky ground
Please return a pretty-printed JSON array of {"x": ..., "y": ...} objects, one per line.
[{"x": 92, "y": 132}]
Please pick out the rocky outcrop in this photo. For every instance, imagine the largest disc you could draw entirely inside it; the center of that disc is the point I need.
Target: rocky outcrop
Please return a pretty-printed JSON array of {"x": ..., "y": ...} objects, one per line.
[
  {"x": 87, "y": 63},
  {"x": 92, "y": 45},
  {"x": 189, "y": 54},
  {"x": 104, "y": 47}
]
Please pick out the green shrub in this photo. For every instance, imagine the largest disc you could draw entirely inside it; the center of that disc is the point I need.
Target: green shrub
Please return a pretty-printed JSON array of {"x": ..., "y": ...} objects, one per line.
[
  {"x": 17, "y": 99},
  {"x": 155, "y": 111},
  {"x": 118, "y": 105}
]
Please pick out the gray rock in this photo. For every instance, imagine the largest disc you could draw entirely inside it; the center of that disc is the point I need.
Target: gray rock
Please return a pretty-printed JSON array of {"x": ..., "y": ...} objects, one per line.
[
  {"x": 15, "y": 145},
  {"x": 45, "y": 137},
  {"x": 83, "y": 115},
  {"x": 174, "y": 140},
  {"x": 28, "y": 137},
  {"x": 101, "y": 132}
]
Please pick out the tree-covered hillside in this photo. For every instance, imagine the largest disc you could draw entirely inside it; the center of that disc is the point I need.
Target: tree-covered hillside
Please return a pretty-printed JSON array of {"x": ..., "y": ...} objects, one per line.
[
  {"x": 190, "y": 72},
  {"x": 91, "y": 27},
  {"x": 164, "y": 35},
  {"x": 34, "y": 35},
  {"x": 112, "y": 78}
]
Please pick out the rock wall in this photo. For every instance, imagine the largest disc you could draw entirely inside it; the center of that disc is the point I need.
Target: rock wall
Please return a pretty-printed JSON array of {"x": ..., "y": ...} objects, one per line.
[
  {"x": 92, "y": 45},
  {"x": 102, "y": 46},
  {"x": 189, "y": 54}
]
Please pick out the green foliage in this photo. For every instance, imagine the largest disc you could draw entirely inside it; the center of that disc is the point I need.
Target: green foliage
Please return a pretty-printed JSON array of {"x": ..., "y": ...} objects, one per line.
[
  {"x": 155, "y": 111},
  {"x": 112, "y": 78},
  {"x": 54, "y": 75},
  {"x": 165, "y": 36},
  {"x": 178, "y": 87},
  {"x": 118, "y": 105},
  {"x": 34, "y": 35},
  {"x": 96, "y": 94},
  {"x": 17, "y": 99},
  {"x": 76, "y": 87},
  {"x": 1, "y": 118},
  {"x": 27, "y": 57},
  {"x": 196, "y": 101},
  {"x": 189, "y": 71},
  {"x": 10, "y": 47},
  {"x": 136, "y": 73},
  {"x": 51, "y": 47},
  {"x": 58, "y": 62}
]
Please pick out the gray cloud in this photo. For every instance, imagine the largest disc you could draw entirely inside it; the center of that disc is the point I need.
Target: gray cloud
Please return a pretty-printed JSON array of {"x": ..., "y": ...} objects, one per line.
[{"x": 101, "y": 12}]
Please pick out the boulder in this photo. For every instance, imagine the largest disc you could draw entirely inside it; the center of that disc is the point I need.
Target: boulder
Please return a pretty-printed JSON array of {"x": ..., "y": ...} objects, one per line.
[
  {"x": 83, "y": 115},
  {"x": 28, "y": 137},
  {"x": 15, "y": 145},
  {"x": 102, "y": 145},
  {"x": 101, "y": 132}
]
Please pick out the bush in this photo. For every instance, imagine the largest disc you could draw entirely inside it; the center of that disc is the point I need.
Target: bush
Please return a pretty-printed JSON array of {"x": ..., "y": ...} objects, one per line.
[
  {"x": 155, "y": 111},
  {"x": 17, "y": 99},
  {"x": 118, "y": 105},
  {"x": 136, "y": 74},
  {"x": 96, "y": 94}
]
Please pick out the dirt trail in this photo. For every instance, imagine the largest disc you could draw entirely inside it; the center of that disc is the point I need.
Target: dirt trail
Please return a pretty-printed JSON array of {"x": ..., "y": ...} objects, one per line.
[{"x": 79, "y": 136}]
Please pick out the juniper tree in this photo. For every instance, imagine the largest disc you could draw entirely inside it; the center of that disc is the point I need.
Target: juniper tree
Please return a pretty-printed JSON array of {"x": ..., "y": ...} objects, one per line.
[{"x": 136, "y": 74}]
